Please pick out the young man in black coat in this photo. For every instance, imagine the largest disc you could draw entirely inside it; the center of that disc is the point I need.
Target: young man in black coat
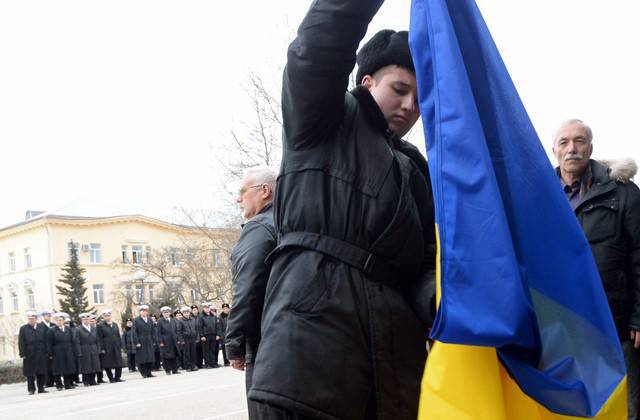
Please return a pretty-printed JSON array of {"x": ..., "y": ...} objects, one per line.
[
  {"x": 127, "y": 344},
  {"x": 187, "y": 333},
  {"x": 350, "y": 296},
  {"x": 46, "y": 323},
  {"x": 62, "y": 351},
  {"x": 87, "y": 351},
  {"x": 110, "y": 347},
  {"x": 249, "y": 270},
  {"x": 143, "y": 336},
  {"x": 32, "y": 345},
  {"x": 167, "y": 341},
  {"x": 208, "y": 329}
]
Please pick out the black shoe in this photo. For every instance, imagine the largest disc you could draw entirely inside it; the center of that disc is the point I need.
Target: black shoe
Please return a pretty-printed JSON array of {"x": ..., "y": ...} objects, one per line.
[
  {"x": 59, "y": 388},
  {"x": 32, "y": 392},
  {"x": 168, "y": 372},
  {"x": 87, "y": 384},
  {"x": 175, "y": 372},
  {"x": 112, "y": 381},
  {"x": 43, "y": 391},
  {"x": 102, "y": 381},
  {"x": 68, "y": 387},
  {"x": 151, "y": 375},
  {"x": 227, "y": 364},
  {"x": 119, "y": 380}
]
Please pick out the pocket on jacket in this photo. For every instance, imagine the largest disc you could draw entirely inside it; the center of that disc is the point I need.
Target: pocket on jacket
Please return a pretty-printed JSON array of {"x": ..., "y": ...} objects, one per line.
[
  {"x": 313, "y": 287},
  {"x": 599, "y": 220}
]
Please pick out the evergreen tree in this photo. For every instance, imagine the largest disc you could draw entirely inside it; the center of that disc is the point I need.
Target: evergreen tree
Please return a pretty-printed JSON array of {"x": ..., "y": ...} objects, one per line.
[{"x": 73, "y": 294}]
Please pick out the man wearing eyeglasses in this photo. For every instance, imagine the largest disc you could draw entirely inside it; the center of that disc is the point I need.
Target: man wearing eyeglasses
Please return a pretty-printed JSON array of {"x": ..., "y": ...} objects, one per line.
[{"x": 250, "y": 272}]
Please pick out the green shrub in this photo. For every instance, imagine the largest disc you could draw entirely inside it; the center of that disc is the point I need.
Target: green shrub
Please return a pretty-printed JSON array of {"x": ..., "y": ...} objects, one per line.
[{"x": 11, "y": 373}]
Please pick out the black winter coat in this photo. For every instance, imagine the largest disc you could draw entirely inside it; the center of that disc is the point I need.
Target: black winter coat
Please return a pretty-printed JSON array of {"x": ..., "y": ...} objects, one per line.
[
  {"x": 350, "y": 295},
  {"x": 143, "y": 337},
  {"x": 167, "y": 338},
  {"x": 87, "y": 350},
  {"x": 109, "y": 345},
  {"x": 32, "y": 345},
  {"x": 127, "y": 341},
  {"x": 610, "y": 216},
  {"x": 222, "y": 320},
  {"x": 61, "y": 348},
  {"x": 187, "y": 330},
  {"x": 250, "y": 276},
  {"x": 209, "y": 325}
]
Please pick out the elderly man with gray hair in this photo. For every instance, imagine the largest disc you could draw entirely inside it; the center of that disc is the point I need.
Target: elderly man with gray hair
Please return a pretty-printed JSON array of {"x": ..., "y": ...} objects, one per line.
[
  {"x": 250, "y": 272},
  {"x": 607, "y": 205}
]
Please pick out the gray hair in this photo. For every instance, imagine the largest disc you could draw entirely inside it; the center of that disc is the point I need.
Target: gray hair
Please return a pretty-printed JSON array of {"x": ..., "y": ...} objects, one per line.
[
  {"x": 261, "y": 175},
  {"x": 584, "y": 125}
]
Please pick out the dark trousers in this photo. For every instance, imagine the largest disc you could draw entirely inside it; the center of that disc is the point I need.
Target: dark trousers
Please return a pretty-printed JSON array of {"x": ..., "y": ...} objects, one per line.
[
  {"x": 170, "y": 364},
  {"x": 199, "y": 356},
  {"x": 118, "y": 372},
  {"x": 50, "y": 378},
  {"x": 131, "y": 361},
  {"x": 189, "y": 354},
  {"x": 89, "y": 378},
  {"x": 251, "y": 405},
  {"x": 31, "y": 383},
  {"x": 224, "y": 352},
  {"x": 156, "y": 364},
  {"x": 209, "y": 351},
  {"x": 145, "y": 369},
  {"x": 68, "y": 381}
]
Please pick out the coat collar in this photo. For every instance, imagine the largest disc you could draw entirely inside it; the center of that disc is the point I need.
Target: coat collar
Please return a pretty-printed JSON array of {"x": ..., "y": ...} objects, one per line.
[{"x": 371, "y": 108}]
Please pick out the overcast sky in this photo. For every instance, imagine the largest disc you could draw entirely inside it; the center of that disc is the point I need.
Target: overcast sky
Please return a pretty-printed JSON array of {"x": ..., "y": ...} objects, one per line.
[{"x": 119, "y": 104}]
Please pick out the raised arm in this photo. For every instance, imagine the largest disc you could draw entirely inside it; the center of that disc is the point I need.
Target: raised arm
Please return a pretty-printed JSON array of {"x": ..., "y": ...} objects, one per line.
[{"x": 319, "y": 62}]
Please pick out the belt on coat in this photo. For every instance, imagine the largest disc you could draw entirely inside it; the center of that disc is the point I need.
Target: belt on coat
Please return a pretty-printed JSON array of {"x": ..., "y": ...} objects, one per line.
[{"x": 366, "y": 261}]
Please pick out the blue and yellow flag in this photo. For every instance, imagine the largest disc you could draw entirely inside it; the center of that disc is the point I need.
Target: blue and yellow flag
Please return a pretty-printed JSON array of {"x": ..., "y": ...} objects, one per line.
[{"x": 523, "y": 330}]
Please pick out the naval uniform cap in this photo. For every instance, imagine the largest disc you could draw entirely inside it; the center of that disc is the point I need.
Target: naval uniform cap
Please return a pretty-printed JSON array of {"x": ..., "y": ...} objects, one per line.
[
  {"x": 83, "y": 315},
  {"x": 106, "y": 312},
  {"x": 46, "y": 312},
  {"x": 205, "y": 304},
  {"x": 143, "y": 308},
  {"x": 185, "y": 309},
  {"x": 59, "y": 315},
  {"x": 92, "y": 316},
  {"x": 165, "y": 309},
  {"x": 31, "y": 314}
]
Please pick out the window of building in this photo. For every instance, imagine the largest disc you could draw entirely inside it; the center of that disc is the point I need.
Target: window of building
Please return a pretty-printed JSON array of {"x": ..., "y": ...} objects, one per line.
[
  {"x": 147, "y": 255},
  {"x": 218, "y": 259},
  {"x": 98, "y": 293},
  {"x": 125, "y": 257},
  {"x": 95, "y": 255},
  {"x": 1, "y": 305},
  {"x": 12, "y": 261},
  {"x": 136, "y": 252},
  {"x": 27, "y": 258},
  {"x": 139, "y": 293},
  {"x": 151, "y": 295},
  {"x": 14, "y": 301},
  {"x": 31, "y": 299},
  {"x": 175, "y": 256}
]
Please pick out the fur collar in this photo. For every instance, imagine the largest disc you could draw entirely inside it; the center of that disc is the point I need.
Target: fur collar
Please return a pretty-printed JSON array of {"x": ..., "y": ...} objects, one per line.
[{"x": 620, "y": 170}]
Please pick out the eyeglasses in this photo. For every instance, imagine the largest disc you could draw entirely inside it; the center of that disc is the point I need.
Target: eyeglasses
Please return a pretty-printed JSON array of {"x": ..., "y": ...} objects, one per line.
[{"x": 243, "y": 190}]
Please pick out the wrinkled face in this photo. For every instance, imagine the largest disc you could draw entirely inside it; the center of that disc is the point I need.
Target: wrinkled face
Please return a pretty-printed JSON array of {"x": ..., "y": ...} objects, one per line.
[
  {"x": 252, "y": 197},
  {"x": 396, "y": 92},
  {"x": 572, "y": 148}
]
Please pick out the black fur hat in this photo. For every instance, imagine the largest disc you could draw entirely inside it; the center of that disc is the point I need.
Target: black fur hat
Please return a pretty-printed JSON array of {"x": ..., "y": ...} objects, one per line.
[{"x": 384, "y": 48}]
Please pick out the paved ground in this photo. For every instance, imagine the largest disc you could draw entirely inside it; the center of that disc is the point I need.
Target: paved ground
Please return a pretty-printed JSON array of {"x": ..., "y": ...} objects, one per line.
[{"x": 206, "y": 394}]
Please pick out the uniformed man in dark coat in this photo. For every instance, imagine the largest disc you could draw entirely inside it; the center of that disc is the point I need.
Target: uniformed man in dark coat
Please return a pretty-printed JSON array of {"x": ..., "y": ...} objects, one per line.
[
  {"x": 87, "y": 350},
  {"x": 208, "y": 329},
  {"x": 249, "y": 270},
  {"x": 223, "y": 328},
  {"x": 32, "y": 346},
  {"x": 168, "y": 342},
  {"x": 177, "y": 315},
  {"x": 46, "y": 323},
  {"x": 143, "y": 336},
  {"x": 195, "y": 314},
  {"x": 110, "y": 347},
  {"x": 127, "y": 344},
  {"x": 94, "y": 325},
  {"x": 61, "y": 349},
  {"x": 187, "y": 332},
  {"x": 350, "y": 297}
]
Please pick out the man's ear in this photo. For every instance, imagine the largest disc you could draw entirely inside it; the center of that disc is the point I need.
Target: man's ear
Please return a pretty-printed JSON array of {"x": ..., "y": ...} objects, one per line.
[{"x": 368, "y": 81}]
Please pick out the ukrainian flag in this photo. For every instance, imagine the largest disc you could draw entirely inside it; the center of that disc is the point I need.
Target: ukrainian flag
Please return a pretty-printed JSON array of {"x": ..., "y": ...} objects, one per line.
[{"x": 523, "y": 330}]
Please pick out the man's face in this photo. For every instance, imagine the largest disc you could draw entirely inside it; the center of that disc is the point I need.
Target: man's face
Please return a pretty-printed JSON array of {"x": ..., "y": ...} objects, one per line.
[
  {"x": 186, "y": 314},
  {"x": 225, "y": 310},
  {"x": 194, "y": 311},
  {"x": 129, "y": 323},
  {"x": 572, "y": 148},
  {"x": 31, "y": 320},
  {"x": 144, "y": 313},
  {"x": 86, "y": 321},
  {"x": 46, "y": 318},
  {"x": 107, "y": 317},
  {"x": 166, "y": 314},
  {"x": 252, "y": 197},
  {"x": 395, "y": 90},
  {"x": 179, "y": 315},
  {"x": 60, "y": 322},
  {"x": 206, "y": 310}
]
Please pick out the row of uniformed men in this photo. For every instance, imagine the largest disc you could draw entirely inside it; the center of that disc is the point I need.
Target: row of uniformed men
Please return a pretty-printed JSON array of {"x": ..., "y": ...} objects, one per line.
[
  {"x": 54, "y": 352},
  {"x": 186, "y": 337}
]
